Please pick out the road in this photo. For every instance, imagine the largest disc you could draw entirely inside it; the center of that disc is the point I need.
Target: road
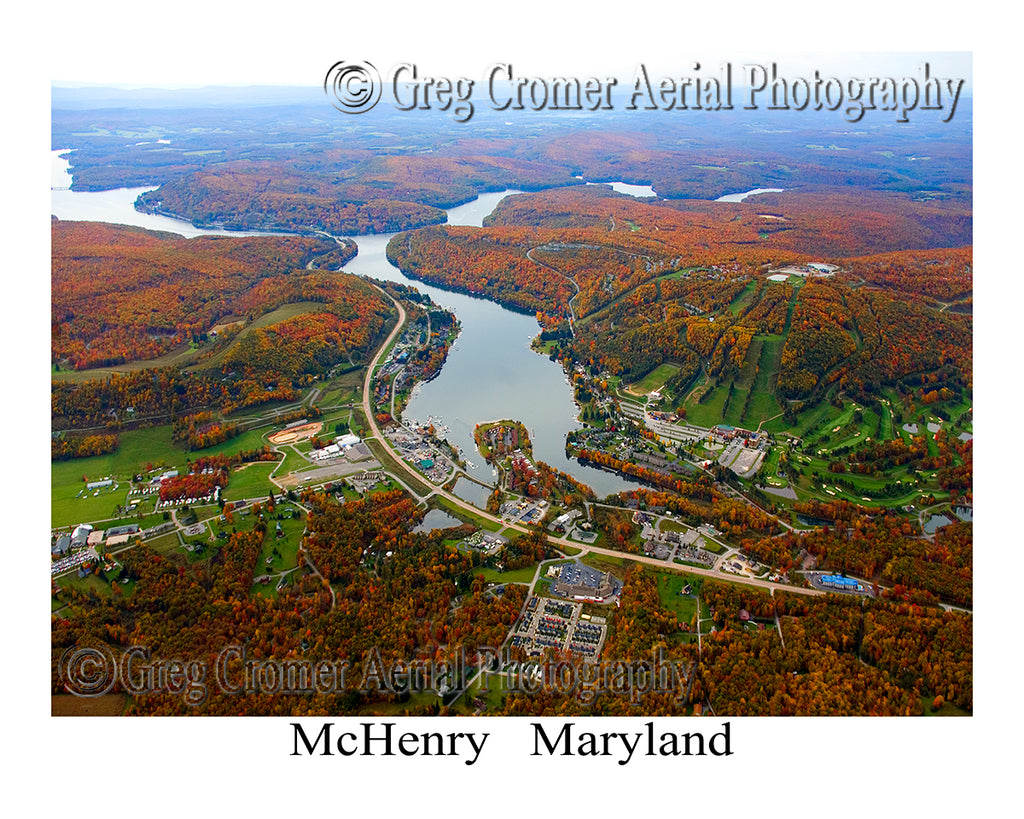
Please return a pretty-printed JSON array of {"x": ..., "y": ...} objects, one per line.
[
  {"x": 572, "y": 314},
  {"x": 457, "y": 501}
]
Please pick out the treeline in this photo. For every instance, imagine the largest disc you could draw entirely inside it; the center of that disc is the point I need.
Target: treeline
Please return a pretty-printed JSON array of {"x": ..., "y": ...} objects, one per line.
[
  {"x": 537, "y": 250},
  {"x": 818, "y": 340},
  {"x": 696, "y": 502},
  {"x": 541, "y": 480},
  {"x": 523, "y": 550},
  {"x": 66, "y": 447},
  {"x": 157, "y": 396},
  {"x": 369, "y": 193},
  {"x": 198, "y": 483},
  {"x": 502, "y": 439},
  {"x": 266, "y": 196},
  {"x": 944, "y": 275},
  {"x": 897, "y": 339},
  {"x": 646, "y": 474},
  {"x": 200, "y": 430}
]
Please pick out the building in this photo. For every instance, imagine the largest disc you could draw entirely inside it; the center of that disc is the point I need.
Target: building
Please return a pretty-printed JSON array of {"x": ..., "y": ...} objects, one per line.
[
  {"x": 833, "y": 581},
  {"x": 582, "y": 583},
  {"x": 331, "y": 451},
  {"x": 689, "y": 537},
  {"x": 80, "y": 535},
  {"x": 118, "y": 540},
  {"x": 561, "y": 520}
]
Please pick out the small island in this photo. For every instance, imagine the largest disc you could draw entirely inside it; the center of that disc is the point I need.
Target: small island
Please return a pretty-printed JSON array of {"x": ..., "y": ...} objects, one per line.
[{"x": 497, "y": 440}]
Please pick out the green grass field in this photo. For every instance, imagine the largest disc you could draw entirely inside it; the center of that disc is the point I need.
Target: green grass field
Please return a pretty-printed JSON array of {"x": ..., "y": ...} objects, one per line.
[
  {"x": 669, "y": 588},
  {"x": 711, "y": 410},
  {"x": 251, "y": 481},
  {"x": 168, "y": 544},
  {"x": 178, "y": 357},
  {"x": 947, "y": 709},
  {"x": 293, "y": 462},
  {"x": 753, "y": 400},
  {"x": 524, "y": 575},
  {"x": 138, "y": 450},
  {"x": 711, "y": 546},
  {"x": 655, "y": 379},
  {"x": 606, "y": 563},
  {"x": 493, "y": 697},
  {"x": 281, "y": 552},
  {"x": 246, "y": 441},
  {"x": 93, "y": 583},
  {"x": 745, "y": 297}
]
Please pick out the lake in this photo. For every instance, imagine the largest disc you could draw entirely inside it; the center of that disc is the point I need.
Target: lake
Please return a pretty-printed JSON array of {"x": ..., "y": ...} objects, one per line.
[
  {"x": 739, "y": 197},
  {"x": 640, "y": 191},
  {"x": 491, "y": 372}
]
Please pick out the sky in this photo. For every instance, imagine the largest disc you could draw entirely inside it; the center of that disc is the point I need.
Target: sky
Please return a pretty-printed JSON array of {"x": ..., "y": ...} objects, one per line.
[
  {"x": 189, "y": 43},
  {"x": 192, "y": 45},
  {"x": 390, "y": 55}
]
